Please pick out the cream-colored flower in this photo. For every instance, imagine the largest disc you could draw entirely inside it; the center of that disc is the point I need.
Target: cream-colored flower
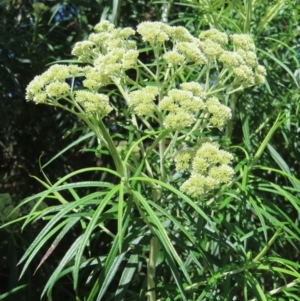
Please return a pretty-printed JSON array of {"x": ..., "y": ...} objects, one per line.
[
  {"x": 93, "y": 103},
  {"x": 215, "y": 36},
  {"x": 180, "y": 34},
  {"x": 222, "y": 173},
  {"x": 179, "y": 120},
  {"x": 212, "y": 49},
  {"x": 195, "y": 88},
  {"x": 57, "y": 89},
  {"x": 244, "y": 74},
  {"x": 104, "y": 26},
  {"x": 86, "y": 51},
  {"x": 173, "y": 57},
  {"x": 192, "y": 52},
  {"x": 154, "y": 32},
  {"x": 231, "y": 59},
  {"x": 220, "y": 114},
  {"x": 129, "y": 59},
  {"x": 243, "y": 41},
  {"x": 142, "y": 101}
]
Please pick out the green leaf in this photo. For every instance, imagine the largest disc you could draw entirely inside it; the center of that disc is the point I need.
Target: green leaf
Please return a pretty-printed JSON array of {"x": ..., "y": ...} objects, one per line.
[
  {"x": 81, "y": 138},
  {"x": 14, "y": 290},
  {"x": 282, "y": 164},
  {"x": 108, "y": 264},
  {"x": 55, "y": 275},
  {"x": 127, "y": 277},
  {"x": 256, "y": 288},
  {"x": 89, "y": 230},
  {"x": 66, "y": 228},
  {"x": 179, "y": 194},
  {"x": 280, "y": 64},
  {"x": 111, "y": 272},
  {"x": 165, "y": 242},
  {"x": 121, "y": 205}
]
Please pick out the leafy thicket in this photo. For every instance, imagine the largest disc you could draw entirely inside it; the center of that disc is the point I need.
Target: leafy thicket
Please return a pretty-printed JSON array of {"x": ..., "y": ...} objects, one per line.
[{"x": 250, "y": 247}]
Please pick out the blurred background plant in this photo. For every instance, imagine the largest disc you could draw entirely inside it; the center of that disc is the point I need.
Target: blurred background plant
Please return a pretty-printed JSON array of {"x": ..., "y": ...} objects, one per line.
[{"x": 264, "y": 196}]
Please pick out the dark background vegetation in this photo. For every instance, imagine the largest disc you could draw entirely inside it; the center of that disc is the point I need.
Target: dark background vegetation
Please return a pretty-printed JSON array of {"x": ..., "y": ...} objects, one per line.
[{"x": 29, "y": 42}]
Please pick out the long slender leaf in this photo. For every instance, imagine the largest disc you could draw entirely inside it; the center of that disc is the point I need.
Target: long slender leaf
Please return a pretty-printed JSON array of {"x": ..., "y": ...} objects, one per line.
[
  {"x": 80, "y": 139},
  {"x": 66, "y": 228},
  {"x": 108, "y": 263},
  {"x": 127, "y": 277},
  {"x": 89, "y": 231},
  {"x": 282, "y": 164},
  {"x": 255, "y": 286},
  {"x": 180, "y": 195},
  {"x": 54, "y": 276}
]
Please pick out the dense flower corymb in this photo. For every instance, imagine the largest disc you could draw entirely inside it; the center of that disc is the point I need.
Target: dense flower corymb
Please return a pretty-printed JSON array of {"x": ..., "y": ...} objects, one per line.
[
  {"x": 49, "y": 86},
  {"x": 142, "y": 101},
  {"x": 154, "y": 32},
  {"x": 93, "y": 103},
  {"x": 209, "y": 168}
]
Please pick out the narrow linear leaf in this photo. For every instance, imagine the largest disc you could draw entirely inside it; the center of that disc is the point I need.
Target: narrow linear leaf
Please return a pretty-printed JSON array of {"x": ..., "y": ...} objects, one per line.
[
  {"x": 127, "y": 277},
  {"x": 81, "y": 138},
  {"x": 282, "y": 164},
  {"x": 255, "y": 286},
  {"x": 180, "y": 195},
  {"x": 89, "y": 231},
  {"x": 66, "y": 228}
]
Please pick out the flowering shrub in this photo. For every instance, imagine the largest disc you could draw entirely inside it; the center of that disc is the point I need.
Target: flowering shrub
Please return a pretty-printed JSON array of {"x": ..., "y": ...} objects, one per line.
[
  {"x": 110, "y": 52},
  {"x": 176, "y": 114}
]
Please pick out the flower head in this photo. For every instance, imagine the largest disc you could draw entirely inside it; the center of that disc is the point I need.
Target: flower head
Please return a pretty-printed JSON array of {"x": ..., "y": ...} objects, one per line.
[
  {"x": 209, "y": 168},
  {"x": 193, "y": 87},
  {"x": 173, "y": 57},
  {"x": 243, "y": 41},
  {"x": 245, "y": 74},
  {"x": 154, "y": 32},
  {"x": 129, "y": 59},
  {"x": 86, "y": 51},
  {"x": 192, "y": 52},
  {"x": 57, "y": 89},
  {"x": 214, "y": 35},
  {"x": 220, "y": 114},
  {"x": 231, "y": 59},
  {"x": 180, "y": 34},
  {"x": 93, "y": 103},
  {"x": 142, "y": 101},
  {"x": 212, "y": 49},
  {"x": 104, "y": 26},
  {"x": 179, "y": 120},
  {"x": 182, "y": 104}
]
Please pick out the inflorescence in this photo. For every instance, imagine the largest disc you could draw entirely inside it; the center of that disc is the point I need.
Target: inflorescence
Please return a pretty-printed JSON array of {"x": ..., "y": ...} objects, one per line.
[{"x": 109, "y": 52}]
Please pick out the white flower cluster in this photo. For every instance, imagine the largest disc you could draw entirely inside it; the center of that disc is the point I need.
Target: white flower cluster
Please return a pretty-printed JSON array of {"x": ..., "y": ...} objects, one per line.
[
  {"x": 142, "y": 101},
  {"x": 209, "y": 167},
  {"x": 110, "y": 51},
  {"x": 210, "y": 46},
  {"x": 182, "y": 105},
  {"x": 49, "y": 86}
]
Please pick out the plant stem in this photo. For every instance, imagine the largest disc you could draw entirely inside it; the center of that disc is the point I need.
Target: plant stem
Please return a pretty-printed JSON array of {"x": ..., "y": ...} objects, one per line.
[
  {"x": 232, "y": 104},
  {"x": 154, "y": 248},
  {"x": 112, "y": 148}
]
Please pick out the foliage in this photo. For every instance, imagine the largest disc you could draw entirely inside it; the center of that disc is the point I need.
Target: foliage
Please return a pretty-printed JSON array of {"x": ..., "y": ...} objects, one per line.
[{"x": 249, "y": 249}]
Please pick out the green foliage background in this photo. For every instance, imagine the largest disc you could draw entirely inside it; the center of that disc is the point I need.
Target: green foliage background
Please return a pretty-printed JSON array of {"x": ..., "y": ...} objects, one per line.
[{"x": 263, "y": 200}]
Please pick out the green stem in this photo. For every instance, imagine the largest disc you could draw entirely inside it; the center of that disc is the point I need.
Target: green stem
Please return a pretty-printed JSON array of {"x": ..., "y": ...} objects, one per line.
[
  {"x": 147, "y": 69},
  {"x": 151, "y": 267},
  {"x": 111, "y": 146},
  {"x": 232, "y": 105}
]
